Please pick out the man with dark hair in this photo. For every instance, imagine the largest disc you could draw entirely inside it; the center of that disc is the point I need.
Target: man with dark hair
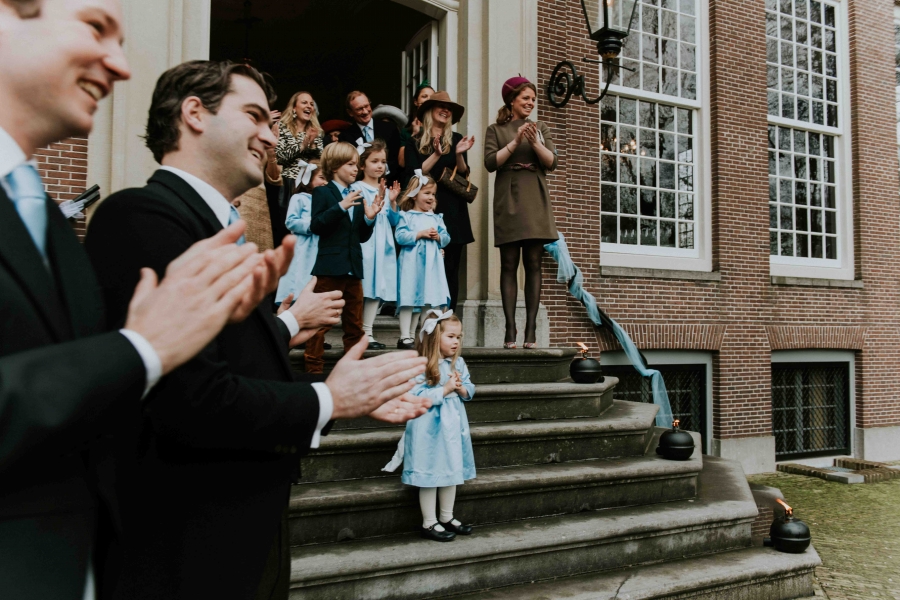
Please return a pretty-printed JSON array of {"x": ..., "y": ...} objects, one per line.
[
  {"x": 63, "y": 382},
  {"x": 366, "y": 128},
  {"x": 205, "y": 503}
]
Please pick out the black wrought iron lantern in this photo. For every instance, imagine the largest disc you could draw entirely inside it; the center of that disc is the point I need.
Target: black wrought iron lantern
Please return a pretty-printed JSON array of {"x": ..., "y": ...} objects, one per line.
[{"x": 608, "y": 22}]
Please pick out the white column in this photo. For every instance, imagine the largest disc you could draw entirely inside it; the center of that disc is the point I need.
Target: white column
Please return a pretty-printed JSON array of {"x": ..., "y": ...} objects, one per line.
[{"x": 159, "y": 35}]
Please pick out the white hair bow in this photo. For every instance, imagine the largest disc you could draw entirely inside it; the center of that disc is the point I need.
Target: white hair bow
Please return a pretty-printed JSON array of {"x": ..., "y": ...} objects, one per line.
[
  {"x": 306, "y": 171},
  {"x": 430, "y": 324},
  {"x": 361, "y": 145},
  {"x": 423, "y": 179}
]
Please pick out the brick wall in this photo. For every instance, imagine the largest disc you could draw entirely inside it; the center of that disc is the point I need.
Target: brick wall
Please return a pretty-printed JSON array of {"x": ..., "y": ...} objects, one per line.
[
  {"x": 63, "y": 167},
  {"x": 737, "y": 316}
]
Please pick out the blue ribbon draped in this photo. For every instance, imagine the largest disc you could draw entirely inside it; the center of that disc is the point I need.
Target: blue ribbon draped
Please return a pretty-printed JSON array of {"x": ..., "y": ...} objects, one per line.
[{"x": 570, "y": 275}]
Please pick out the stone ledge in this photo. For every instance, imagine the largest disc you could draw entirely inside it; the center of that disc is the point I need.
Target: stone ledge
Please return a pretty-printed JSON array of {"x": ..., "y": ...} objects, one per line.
[
  {"x": 660, "y": 274},
  {"x": 856, "y": 284}
]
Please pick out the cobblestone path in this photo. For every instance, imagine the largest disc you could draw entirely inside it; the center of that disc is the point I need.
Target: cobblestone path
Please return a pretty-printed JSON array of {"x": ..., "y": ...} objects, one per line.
[{"x": 855, "y": 529}]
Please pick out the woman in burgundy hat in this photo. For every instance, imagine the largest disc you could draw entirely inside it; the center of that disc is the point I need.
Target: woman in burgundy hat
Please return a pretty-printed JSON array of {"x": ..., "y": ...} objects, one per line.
[{"x": 521, "y": 152}]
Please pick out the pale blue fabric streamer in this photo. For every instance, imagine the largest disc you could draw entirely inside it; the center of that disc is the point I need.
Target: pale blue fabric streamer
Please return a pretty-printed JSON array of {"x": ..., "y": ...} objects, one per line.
[{"x": 570, "y": 275}]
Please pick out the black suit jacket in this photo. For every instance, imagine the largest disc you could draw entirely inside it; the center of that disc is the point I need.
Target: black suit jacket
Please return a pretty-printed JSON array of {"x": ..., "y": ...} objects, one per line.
[
  {"x": 386, "y": 131},
  {"x": 203, "y": 493},
  {"x": 63, "y": 385},
  {"x": 340, "y": 239}
]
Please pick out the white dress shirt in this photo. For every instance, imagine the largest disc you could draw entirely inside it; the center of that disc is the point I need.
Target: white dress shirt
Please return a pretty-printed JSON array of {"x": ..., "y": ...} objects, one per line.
[
  {"x": 222, "y": 208},
  {"x": 11, "y": 157}
]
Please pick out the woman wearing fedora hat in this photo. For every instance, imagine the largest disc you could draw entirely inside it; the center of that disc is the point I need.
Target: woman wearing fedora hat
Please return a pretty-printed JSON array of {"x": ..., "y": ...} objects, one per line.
[
  {"x": 435, "y": 148},
  {"x": 521, "y": 152}
]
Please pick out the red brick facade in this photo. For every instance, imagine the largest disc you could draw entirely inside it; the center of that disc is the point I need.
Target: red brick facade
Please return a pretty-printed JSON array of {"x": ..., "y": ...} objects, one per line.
[
  {"x": 63, "y": 167},
  {"x": 741, "y": 316}
]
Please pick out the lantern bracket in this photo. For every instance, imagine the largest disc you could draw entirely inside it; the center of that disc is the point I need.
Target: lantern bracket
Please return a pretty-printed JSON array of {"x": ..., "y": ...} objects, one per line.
[{"x": 563, "y": 85}]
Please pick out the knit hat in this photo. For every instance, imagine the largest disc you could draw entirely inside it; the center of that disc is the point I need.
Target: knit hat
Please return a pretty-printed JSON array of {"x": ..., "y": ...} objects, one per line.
[{"x": 510, "y": 85}]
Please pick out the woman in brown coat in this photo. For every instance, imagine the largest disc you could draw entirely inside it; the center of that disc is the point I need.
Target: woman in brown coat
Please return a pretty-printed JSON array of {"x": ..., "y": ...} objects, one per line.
[{"x": 522, "y": 152}]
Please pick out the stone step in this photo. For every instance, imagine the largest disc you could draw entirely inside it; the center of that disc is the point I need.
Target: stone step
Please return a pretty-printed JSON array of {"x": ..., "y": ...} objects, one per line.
[
  {"x": 488, "y": 365},
  {"x": 508, "y": 402},
  {"x": 386, "y": 330},
  {"x": 335, "y": 511},
  {"x": 620, "y": 431},
  {"x": 406, "y": 567},
  {"x": 746, "y": 574}
]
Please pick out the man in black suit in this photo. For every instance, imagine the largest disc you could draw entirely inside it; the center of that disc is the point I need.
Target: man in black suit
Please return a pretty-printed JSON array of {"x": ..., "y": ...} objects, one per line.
[
  {"x": 366, "y": 128},
  {"x": 205, "y": 498},
  {"x": 64, "y": 383}
]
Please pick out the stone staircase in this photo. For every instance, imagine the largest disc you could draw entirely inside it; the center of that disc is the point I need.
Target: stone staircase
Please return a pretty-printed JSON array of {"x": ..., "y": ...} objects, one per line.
[{"x": 570, "y": 501}]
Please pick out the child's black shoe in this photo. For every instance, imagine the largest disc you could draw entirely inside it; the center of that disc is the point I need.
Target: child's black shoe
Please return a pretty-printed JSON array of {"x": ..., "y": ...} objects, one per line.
[
  {"x": 430, "y": 533},
  {"x": 460, "y": 529},
  {"x": 406, "y": 344}
]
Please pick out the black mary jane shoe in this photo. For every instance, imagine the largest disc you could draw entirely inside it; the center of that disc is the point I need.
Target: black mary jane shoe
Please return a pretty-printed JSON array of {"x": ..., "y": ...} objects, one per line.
[
  {"x": 429, "y": 533},
  {"x": 461, "y": 529},
  {"x": 373, "y": 345},
  {"x": 407, "y": 344}
]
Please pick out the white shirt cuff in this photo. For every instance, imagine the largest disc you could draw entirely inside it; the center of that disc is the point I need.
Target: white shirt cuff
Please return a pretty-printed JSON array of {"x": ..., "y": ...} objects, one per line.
[
  {"x": 152, "y": 364},
  {"x": 290, "y": 321},
  {"x": 326, "y": 408}
]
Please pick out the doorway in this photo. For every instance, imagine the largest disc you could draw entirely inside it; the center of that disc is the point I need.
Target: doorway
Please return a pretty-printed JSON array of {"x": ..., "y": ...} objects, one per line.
[{"x": 326, "y": 47}]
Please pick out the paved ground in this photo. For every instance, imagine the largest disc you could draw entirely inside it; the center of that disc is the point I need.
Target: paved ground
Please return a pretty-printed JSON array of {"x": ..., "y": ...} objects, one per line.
[{"x": 855, "y": 529}]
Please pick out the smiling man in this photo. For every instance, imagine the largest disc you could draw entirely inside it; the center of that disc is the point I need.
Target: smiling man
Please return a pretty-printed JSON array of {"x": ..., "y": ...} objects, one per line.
[
  {"x": 64, "y": 383},
  {"x": 205, "y": 502},
  {"x": 367, "y": 128}
]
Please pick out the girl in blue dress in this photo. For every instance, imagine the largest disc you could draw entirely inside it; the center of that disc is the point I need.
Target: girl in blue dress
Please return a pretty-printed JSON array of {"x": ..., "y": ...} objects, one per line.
[
  {"x": 421, "y": 235},
  {"x": 299, "y": 215},
  {"x": 437, "y": 447},
  {"x": 379, "y": 253}
]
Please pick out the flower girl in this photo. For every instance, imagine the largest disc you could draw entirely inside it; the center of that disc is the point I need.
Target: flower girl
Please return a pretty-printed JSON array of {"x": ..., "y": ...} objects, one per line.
[{"x": 299, "y": 215}]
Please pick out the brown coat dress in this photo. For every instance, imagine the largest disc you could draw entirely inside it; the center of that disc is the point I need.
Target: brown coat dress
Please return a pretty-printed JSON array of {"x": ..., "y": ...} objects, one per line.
[{"x": 522, "y": 206}]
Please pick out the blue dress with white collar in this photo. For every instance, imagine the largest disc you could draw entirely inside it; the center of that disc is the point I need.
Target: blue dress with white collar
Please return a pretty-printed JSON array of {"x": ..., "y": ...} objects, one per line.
[
  {"x": 438, "y": 445},
  {"x": 299, "y": 215},
  {"x": 379, "y": 253},
  {"x": 423, "y": 281}
]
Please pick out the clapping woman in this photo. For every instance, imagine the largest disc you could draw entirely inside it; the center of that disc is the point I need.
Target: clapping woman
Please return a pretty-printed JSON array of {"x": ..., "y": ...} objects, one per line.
[
  {"x": 521, "y": 151},
  {"x": 300, "y": 140},
  {"x": 435, "y": 148}
]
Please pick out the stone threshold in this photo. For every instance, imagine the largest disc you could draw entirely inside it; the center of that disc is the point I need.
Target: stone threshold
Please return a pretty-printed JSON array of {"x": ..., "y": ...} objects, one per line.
[{"x": 845, "y": 470}]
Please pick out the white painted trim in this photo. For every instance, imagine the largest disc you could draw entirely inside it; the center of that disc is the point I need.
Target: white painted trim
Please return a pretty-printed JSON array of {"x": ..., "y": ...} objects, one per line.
[
  {"x": 842, "y": 268},
  {"x": 700, "y": 257},
  {"x": 821, "y": 356},
  {"x": 675, "y": 357}
]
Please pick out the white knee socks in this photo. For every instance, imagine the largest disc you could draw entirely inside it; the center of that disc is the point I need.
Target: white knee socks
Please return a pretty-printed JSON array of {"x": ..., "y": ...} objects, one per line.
[
  {"x": 406, "y": 315},
  {"x": 370, "y": 311},
  {"x": 428, "y": 503}
]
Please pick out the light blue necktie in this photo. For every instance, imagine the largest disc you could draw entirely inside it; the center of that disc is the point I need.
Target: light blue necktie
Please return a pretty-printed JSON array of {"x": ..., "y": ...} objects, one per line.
[
  {"x": 28, "y": 196},
  {"x": 368, "y": 133},
  {"x": 233, "y": 217}
]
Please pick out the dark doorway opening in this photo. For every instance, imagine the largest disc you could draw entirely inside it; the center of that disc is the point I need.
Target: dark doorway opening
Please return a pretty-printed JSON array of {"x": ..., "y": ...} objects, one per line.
[{"x": 326, "y": 47}]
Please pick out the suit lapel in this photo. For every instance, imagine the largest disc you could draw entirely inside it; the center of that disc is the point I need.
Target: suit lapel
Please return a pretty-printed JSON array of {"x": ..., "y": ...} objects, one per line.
[
  {"x": 21, "y": 257},
  {"x": 204, "y": 213},
  {"x": 336, "y": 192}
]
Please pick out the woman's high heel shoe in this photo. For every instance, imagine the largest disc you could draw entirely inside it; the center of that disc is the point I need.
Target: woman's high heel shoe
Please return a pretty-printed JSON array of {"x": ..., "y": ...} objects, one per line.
[{"x": 511, "y": 345}]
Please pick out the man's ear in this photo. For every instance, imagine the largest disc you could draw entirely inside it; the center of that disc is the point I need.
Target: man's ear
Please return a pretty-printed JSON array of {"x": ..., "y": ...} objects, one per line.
[{"x": 193, "y": 114}]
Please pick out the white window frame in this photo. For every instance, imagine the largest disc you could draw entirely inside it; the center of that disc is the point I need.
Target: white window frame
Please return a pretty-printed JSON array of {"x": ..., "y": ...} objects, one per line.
[
  {"x": 825, "y": 356},
  {"x": 674, "y": 357},
  {"x": 841, "y": 268},
  {"x": 428, "y": 32},
  {"x": 897, "y": 87},
  {"x": 700, "y": 257}
]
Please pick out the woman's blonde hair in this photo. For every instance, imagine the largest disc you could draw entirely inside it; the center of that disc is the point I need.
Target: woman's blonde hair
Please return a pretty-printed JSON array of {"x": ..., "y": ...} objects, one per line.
[
  {"x": 426, "y": 139},
  {"x": 429, "y": 346},
  {"x": 313, "y": 129},
  {"x": 335, "y": 156},
  {"x": 409, "y": 202},
  {"x": 504, "y": 115}
]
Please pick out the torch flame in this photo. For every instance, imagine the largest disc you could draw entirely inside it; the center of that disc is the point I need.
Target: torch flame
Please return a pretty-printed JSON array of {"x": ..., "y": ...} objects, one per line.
[
  {"x": 675, "y": 423},
  {"x": 583, "y": 347},
  {"x": 788, "y": 511}
]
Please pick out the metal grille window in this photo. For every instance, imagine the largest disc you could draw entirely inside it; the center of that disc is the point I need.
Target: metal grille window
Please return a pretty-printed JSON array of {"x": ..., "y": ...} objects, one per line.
[
  {"x": 810, "y": 409},
  {"x": 648, "y": 170},
  {"x": 685, "y": 384},
  {"x": 802, "y": 194},
  {"x": 804, "y": 96}
]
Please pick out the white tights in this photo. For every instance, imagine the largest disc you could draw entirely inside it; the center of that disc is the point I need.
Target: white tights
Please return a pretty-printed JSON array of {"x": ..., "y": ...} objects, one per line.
[
  {"x": 428, "y": 503},
  {"x": 407, "y": 326},
  {"x": 370, "y": 311}
]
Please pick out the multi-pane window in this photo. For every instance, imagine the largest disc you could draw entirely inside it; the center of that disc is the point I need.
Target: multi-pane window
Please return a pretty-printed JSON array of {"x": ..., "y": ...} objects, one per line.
[
  {"x": 897, "y": 72},
  {"x": 647, "y": 174},
  {"x": 804, "y": 99},
  {"x": 802, "y": 194},
  {"x": 648, "y": 165}
]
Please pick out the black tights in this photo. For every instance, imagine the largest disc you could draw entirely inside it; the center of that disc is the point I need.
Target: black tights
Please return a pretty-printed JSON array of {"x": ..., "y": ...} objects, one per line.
[{"x": 532, "y": 251}]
